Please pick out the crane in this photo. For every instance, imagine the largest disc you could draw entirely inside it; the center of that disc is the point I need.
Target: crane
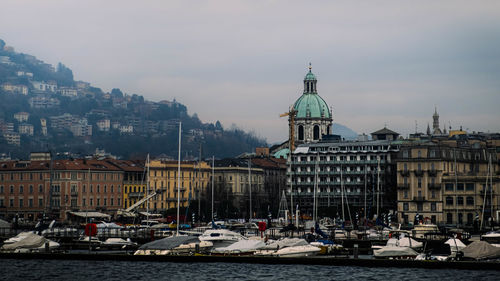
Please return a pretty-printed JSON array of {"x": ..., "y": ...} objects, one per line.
[
  {"x": 291, "y": 123},
  {"x": 129, "y": 210}
]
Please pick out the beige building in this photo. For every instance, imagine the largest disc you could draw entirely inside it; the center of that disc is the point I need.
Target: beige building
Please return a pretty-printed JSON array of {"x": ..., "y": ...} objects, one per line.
[{"x": 446, "y": 184}]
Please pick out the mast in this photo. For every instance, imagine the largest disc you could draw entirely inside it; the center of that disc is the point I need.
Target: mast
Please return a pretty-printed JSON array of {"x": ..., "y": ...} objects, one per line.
[
  {"x": 315, "y": 186},
  {"x": 456, "y": 185},
  {"x": 147, "y": 187},
  {"x": 490, "y": 173},
  {"x": 179, "y": 179},
  {"x": 250, "y": 186},
  {"x": 199, "y": 186},
  {"x": 378, "y": 186},
  {"x": 365, "y": 193},
  {"x": 291, "y": 187},
  {"x": 213, "y": 175},
  {"x": 342, "y": 192}
]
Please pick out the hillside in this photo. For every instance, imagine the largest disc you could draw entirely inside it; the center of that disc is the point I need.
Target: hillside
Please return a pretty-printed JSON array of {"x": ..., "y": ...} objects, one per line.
[{"x": 43, "y": 108}]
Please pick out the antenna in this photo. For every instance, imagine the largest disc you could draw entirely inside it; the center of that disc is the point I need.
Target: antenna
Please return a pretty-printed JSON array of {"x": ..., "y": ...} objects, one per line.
[{"x": 416, "y": 127}]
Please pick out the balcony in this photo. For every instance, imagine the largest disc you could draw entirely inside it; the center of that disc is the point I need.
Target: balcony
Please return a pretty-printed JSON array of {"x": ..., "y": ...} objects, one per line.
[
  {"x": 74, "y": 193},
  {"x": 135, "y": 195},
  {"x": 405, "y": 173},
  {"x": 403, "y": 186},
  {"x": 419, "y": 173},
  {"x": 432, "y": 173},
  {"x": 436, "y": 186},
  {"x": 418, "y": 198}
]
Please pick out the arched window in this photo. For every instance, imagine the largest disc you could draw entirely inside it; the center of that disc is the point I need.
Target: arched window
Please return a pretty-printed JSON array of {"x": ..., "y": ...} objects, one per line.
[
  {"x": 316, "y": 132},
  {"x": 301, "y": 132}
]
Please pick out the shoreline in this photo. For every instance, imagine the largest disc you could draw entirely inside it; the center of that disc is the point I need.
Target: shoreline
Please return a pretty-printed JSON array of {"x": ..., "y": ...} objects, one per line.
[{"x": 319, "y": 260}]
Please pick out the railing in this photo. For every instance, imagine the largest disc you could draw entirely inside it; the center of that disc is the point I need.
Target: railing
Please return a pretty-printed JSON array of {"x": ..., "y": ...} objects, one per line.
[
  {"x": 135, "y": 194},
  {"x": 419, "y": 173},
  {"x": 432, "y": 173},
  {"x": 405, "y": 173},
  {"x": 419, "y": 198}
]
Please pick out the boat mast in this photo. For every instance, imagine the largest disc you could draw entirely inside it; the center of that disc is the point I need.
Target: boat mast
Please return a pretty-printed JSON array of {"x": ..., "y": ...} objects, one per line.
[
  {"x": 291, "y": 187},
  {"x": 456, "y": 186},
  {"x": 179, "y": 179},
  {"x": 147, "y": 187},
  {"x": 378, "y": 186},
  {"x": 213, "y": 175},
  {"x": 250, "y": 187},
  {"x": 315, "y": 186},
  {"x": 490, "y": 173},
  {"x": 342, "y": 192},
  {"x": 365, "y": 193}
]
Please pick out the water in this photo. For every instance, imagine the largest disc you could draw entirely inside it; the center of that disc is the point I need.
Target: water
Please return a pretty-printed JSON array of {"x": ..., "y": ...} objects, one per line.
[{"x": 75, "y": 270}]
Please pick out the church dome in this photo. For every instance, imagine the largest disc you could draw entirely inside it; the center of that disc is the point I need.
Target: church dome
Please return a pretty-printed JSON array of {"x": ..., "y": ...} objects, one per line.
[{"x": 310, "y": 104}]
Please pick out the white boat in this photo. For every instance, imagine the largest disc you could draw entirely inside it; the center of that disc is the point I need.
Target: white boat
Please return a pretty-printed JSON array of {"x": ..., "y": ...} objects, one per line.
[
  {"x": 118, "y": 243},
  {"x": 420, "y": 230},
  {"x": 297, "y": 251},
  {"x": 492, "y": 237},
  {"x": 17, "y": 238},
  {"x": 174, "y": 245},
  {"x": 241, "y": 247},
  {"x": 395, "y": 252},
  {"x": 221, "y": 237},
  {"x": 30, "y": 243}
]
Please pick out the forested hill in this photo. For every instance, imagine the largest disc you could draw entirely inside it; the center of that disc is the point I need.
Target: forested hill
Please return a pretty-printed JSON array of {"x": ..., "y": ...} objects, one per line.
[{"x": 42, "y": 108}]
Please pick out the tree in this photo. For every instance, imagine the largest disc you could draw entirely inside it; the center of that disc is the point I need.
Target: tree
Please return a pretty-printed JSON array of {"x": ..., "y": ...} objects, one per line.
[{"x": 117, "y": 93}]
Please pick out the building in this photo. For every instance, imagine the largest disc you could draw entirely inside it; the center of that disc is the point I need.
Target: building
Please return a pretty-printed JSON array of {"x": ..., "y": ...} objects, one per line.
[
  {"x": 163, "y": 178},
  {"x": 274, "y": 170},
  {"x": 445, "y": 183},
  {"x": 103, "y": 125},
  {"x": 12, "y": 138},
  {"x": 21, "y": 116},
  {"x": 26, "y": 129},
  {"x": 81, "y": 128},
  {"x": 41, "y": 101},
  {"x": 359, "y": 173},
  {"x": 313, "y": 118},
  {"x": 134, "y": 182},
  {"x": 42, "y": 86},
  {"x": 29, "y": 189},
  {"x": 67, "y": 92},
  {"x": 15, "y": 89},
  {"x": 235, "y": 182}
]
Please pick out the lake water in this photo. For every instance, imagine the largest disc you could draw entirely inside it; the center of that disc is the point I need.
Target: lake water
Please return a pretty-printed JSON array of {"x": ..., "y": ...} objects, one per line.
[{"x": 76, "y": 270}]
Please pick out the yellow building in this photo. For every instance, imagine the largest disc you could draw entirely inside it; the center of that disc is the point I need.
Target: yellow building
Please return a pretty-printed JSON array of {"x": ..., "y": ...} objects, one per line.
[
  {"x": 194, "y": 179},
  {"x": 446, "y": 184}
]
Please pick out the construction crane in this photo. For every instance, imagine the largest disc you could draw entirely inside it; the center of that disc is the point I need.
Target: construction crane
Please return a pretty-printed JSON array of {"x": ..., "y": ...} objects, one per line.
[
  {"x": 291, "y": 122},
  {"x": 129, "y": 212}
]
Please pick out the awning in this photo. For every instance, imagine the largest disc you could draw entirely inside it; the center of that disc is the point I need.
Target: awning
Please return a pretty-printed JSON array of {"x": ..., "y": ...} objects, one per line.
[{"x": 90, "y": 215}]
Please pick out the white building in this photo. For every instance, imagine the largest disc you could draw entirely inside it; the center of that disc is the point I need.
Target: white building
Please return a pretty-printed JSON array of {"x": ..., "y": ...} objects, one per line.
[
  {"x": 21, "y": 116},
  {"x": 44, "y": 86},
  {"x": 12, "y": 138},
  {"x": 67, "y": 92},
  {"x": 26, "y": 129},
  {"x": 16, "y": 89},
  {"x": 43, "y": 102},
  {"x": 126, "y": 129},
  {"x": 104, "y": 125}
]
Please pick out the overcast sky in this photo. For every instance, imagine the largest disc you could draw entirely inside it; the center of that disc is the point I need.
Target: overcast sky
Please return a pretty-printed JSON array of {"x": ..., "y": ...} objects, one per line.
[{"x": 243, "y": 62}]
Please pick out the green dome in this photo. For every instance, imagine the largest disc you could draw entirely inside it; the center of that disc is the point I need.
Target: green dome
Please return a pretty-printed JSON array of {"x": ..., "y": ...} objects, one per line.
[
  {"x": 311, "y": 105},
  {"x": 282, "y": 153}
]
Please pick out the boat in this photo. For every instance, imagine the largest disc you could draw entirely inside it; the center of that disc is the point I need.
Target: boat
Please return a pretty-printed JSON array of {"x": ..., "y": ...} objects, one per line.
[
  {"x": 492, "y": 237},
  {"x": 175, "y": 245},
  {"x": 221, "y": 237},
  {"x": 420, "y": 230},
  {"x": 82, "y": 243},
  {"x": 481, "y": 250},
  {"x": 118, "y": 243},
  {"x": 17, "y": 238},
  {"x": 272, "y": 247},
  {"x": 239, "y": 248},
  {"x": 394, "y": 252},
  {"x": 297, "y": 251},
  {"x": 30, "y": 243}
]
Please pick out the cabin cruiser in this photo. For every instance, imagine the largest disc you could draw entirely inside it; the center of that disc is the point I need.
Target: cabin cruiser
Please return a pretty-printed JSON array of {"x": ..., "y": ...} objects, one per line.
[
  {"x": 420, "y": 230},
  {"x": 492, "y": 237},
  {"x": 221, "y": 237},
  {"x": 297, "y": 251},
  {"x": 118, "y": 243},
  {"x": 288, "y": 247},
  {"x": 399, "y": 246}
]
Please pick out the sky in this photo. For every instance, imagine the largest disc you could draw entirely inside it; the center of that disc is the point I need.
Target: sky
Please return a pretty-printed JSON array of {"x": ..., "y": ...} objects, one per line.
[{"x": 378, "y": 63}]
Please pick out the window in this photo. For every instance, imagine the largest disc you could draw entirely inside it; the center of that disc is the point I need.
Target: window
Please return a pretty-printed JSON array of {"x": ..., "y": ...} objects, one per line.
[
  {"x": 83, "y": 202},
  {"x": 405, "y": 194},
  {"x": 406, "y": 207},
  {"x": 405, "y": 153},
  {"x": 105, "y": 202},
  {"x": 420, "y": 206},
  {"x": 448, "y": 187},
  {"x": 419, "y": 166},
  {"x": 469, "y": 218},
  {"x": 419, "y": 154},
  {"x": 1, "y": 188},
  {"x": 449, "y": 200},
  {"x": 449, "y": 218},
  {"x": 460, "y": 186},
  {"x": 98, "y": 201},
  {"x": 469, "y": 186},
  {"x": 31, "y": 188},
  {"x": 419, "y": 182},
  {"x": 11, "y": 189},
  {"x": 30, "y": 202},
  {"x": 470, "y": 200},
  {"x": 460, "y": 200},
  {"x": 301, "y": 132},
  {"x": 433, "y": 194},
  {"x": 433, "y": 207},
  {"x": 1, "y": 203},
  {"x": 40, "y": 188},
  {"x": 405, "y": 167},
  {"x": 21, "y": 203},
  {"x": 11, "y": 203},
  {"x": 40, "y": 202},
  {"x": 21, "y": 189}
]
